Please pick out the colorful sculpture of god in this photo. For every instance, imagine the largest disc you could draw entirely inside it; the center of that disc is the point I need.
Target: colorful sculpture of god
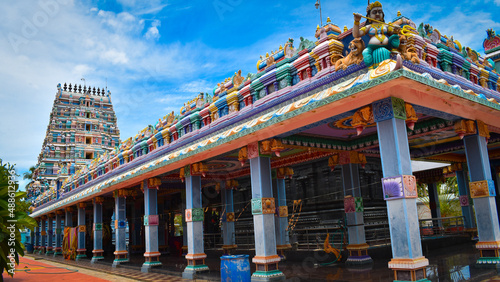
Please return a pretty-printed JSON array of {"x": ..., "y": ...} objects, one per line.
[{"x": 383, "y": 37}]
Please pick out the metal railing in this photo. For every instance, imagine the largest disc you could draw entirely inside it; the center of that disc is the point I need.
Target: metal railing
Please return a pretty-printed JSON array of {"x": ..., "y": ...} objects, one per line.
[{"x": 441, "y": 226}]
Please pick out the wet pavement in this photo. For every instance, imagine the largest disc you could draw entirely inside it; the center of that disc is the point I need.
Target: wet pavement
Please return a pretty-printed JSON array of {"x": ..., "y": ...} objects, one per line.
[{"x": 452, "y": 263}]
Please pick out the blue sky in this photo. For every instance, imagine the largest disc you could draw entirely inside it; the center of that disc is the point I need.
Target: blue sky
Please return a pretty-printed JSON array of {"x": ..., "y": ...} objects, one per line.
[{"x": 156, "y": 55}]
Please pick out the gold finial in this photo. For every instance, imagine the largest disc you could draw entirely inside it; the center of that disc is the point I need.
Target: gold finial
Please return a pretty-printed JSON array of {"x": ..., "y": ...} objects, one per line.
[
  {"x": 345, "y": 28},
  {"x": 267, "y": 55},
  {"x": 317, "y": 27},
  {"x": 328, "y": 20},
  {"x": 399, "y": 13},
  {"x": 281, "y": 48}
]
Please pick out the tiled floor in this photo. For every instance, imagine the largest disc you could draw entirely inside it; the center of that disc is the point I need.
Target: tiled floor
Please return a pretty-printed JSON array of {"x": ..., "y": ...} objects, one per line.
[{"x": 452, "y": 263}]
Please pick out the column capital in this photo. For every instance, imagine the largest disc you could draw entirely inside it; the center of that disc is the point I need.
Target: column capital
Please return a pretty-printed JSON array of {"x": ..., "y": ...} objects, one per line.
[
  {"x": 69, "y": 209},
  {"x": 198, "y": 169},
  {"x": 347, "y": 157},
  {"x": 44, "y": 217},
  {"x": 124, "y": 193},
  {"x": 59, "y": 212},
  {"x": 151, "y": 183},
  {"x": 51, "y": 215},
  {"x": 98, "y": 200},
  {"x": 389, "y": 108},
  {"x": 284, "y": 172},
  {"x": 82, "y": 205}
]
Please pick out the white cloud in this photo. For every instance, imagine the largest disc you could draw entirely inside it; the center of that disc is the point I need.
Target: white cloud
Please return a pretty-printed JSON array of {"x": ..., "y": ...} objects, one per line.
[
  {"x": 153, "y": 32},
  {"x": 115, "y": 57}
]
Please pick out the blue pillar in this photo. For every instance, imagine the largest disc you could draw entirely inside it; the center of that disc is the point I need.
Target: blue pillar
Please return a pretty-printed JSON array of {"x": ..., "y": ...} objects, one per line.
[
  {"x": 58, "y": 249},
  {"x": 68, "y": 217},
  {"x": 151, "y": 220},
  {"x": 228, "y": 234},
  {"x": 263, "y": 208},
  {"x": 353, "y": 207},
  {"x": 184, "y": 224},
  {"x": 194, "y": 219},
  {"x": 43, "y": 244},
  {"x": 121, "y": 253},
  {"x": 80, "y": 252},
  {"x": 435, "y": 207},
  {"x": 281, "y": 220},
  {"x": 97, "y": 252},
  {"x": 37, "y": 236},
  {"x": 482, "y": 191},
  {"x": 32, "y": 237},
  {"x": 50, "y": 234},
  {"x": 467, "y": 209},
  {"x": 399, "y": 190}
]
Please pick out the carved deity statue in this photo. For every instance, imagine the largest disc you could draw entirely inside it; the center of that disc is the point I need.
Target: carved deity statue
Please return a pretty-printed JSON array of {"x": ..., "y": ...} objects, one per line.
[{"x": 383, "y": 37}]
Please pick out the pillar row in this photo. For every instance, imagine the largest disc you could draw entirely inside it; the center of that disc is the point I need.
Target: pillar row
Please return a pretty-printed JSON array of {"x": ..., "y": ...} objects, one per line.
[
  {"x": 483, "y": 192},
  {"x": 80, "y": 252},
  {"x": 58, "y": 248},
  {"x": 50, "y": 234},
  {"x": 194, "y": 221},
  {"x": 400, "y": 191},
  {"x": 263, "y": 209},
  {"x": 97, "y": 252},
  {"x": 121, "y": 253},
  {"x": 151, "y": 220},
  {"x": 228, "y": 234}
]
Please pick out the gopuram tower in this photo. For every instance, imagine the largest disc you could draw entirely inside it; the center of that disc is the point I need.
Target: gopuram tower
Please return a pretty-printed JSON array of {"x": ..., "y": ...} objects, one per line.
[{"x": 82, "y": 126}]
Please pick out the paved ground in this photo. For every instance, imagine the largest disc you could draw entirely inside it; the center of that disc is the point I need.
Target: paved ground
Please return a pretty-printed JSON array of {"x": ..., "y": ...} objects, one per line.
[
  {"x": 452, "y": 263},
  {"x": 36, "y": 269},
  {"x": 31, "y": 270}
]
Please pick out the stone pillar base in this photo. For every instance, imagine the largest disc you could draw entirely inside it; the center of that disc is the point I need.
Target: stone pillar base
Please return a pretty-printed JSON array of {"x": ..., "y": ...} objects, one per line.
[
  {"x": 184, "y": 250},
  {"x": 228, "y": 249},
  {"x": 267, "y": 269},
  {"x": 49, "y": 251},
  {"x": 80, "y": 254},
  {"x": 490, "y": 254},
  {"x": 152, "y": 260},
  {"x": 409, "y": 269},
  {"x": 97, "y": 255},
  {"x": 196, "y": 264},
  {"x": 120, "y": 257},
  {"x": 358, "y": 254},
  {"x": 57, "y": 251}
]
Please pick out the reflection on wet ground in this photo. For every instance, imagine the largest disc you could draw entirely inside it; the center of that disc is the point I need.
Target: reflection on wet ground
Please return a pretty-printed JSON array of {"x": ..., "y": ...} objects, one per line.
[{"x": 452, "y": 263}]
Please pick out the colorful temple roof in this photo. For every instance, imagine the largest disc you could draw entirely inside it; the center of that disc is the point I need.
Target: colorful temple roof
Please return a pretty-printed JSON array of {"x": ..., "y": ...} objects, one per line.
[{"x": 292, "y": 82}]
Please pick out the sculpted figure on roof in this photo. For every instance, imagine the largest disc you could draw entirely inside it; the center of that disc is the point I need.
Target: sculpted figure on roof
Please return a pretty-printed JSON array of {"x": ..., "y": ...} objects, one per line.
[{"x": 383, "y": 37}]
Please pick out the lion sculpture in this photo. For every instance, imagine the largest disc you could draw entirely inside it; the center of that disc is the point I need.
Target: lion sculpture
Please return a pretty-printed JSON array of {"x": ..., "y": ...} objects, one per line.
[
  {"x": 406, "y": 49},
  {"x": 354, "y": 57}
]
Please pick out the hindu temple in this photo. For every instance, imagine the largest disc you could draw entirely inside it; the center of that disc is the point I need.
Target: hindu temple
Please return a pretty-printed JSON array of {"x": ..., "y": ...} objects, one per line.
[{"x": 320, "y": 137}]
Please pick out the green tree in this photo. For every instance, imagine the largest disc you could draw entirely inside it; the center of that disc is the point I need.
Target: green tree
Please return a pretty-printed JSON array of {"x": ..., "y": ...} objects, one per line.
[
  {"x": 13, "y": 218},
  {"x": 29, "y": 175}
]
